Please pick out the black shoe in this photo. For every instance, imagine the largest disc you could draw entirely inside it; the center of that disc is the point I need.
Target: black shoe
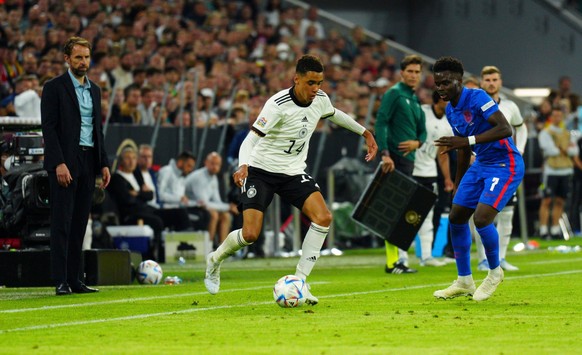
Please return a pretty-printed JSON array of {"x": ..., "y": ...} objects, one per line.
[
  {"x": 63, "y": 289},
  {"x": 400, "y": 268},
  {"x": 82, "y": 288}
]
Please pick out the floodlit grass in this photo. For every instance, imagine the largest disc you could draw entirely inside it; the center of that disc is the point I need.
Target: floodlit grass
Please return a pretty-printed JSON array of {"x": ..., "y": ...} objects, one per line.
[{"x": 362, "y": 310}]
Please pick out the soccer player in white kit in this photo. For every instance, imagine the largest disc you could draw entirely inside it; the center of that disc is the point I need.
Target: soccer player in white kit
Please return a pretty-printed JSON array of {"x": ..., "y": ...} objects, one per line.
[
  {"x": 425, "y": 170},
  {"x": 491, "y": 82},
  {"x": 272, "y": 160}
]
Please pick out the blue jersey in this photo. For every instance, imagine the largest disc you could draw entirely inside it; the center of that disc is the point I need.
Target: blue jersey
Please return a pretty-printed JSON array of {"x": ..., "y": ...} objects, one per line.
[
  {"x": 469, "y": 118},
  {"x": 498, "y": 168}
]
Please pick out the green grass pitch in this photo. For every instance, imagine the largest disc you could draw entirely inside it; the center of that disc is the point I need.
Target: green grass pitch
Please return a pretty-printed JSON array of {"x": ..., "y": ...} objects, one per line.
[{"x": 362, "y": 310}]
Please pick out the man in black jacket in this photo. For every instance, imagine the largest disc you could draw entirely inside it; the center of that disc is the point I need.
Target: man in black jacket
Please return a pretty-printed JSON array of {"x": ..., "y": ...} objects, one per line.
[{"x": 74, "y": 155}]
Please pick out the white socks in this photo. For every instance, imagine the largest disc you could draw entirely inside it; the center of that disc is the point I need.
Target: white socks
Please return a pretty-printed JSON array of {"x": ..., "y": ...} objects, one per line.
[
  {"x": 504, "y": 227},
  {"x": 233, "y": 243},
  {"x": 426, "y": 236},
  {"x": 310, "y": 249}
]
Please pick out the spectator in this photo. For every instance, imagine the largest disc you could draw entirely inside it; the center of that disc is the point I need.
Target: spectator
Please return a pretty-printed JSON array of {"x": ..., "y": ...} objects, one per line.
[
  {"x": 129, "y": 112},
  {"x": 558, "y": 147},
  {"x": 27, "y": 102},
  {"x": 173, "y": 218},
  {"x": 172, "y": 189},
  {"x": 146, "y": 106},
  {"x": 202, "y": 185},
  {"x": 564, "y": 96},
  {"x": 29, "y": 64},
  {"x": 310, "y": 27},
  {"x": 543, "y": 113},
  {"x": 123, "y": 73},
  {"x": 7, "y": 105},
  {"x": 132, "y": 199}
]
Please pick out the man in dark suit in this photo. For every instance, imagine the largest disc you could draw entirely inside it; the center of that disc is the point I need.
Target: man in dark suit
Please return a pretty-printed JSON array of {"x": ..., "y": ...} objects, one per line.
[{"x": 74, "y": 155}]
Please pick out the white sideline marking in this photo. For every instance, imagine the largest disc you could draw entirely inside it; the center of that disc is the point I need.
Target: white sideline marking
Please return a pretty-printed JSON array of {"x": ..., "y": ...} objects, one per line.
[{"x": 161, "y": 314}]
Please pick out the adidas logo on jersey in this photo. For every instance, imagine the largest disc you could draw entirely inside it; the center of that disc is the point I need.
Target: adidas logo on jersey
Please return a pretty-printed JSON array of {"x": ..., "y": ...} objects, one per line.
[{"x": 305, "y": 119}]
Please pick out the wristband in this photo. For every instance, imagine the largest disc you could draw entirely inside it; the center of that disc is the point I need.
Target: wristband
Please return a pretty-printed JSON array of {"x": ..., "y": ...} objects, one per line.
[{"x": 471, "y": 140}]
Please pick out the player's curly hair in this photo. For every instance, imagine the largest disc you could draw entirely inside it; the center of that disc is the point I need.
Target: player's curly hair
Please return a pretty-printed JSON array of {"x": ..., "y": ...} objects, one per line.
[
  {"x": 448, "y": 64},
  {"x": 307, "y": 63}
]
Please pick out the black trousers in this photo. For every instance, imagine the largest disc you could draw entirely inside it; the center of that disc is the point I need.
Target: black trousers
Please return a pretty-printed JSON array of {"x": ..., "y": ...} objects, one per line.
[{"x": 70, "y": 208}]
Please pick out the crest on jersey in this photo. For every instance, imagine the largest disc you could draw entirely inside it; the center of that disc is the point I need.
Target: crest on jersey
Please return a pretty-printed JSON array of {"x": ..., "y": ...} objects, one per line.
[
  {"x": 252, "y": 192},
  {"x": 262, "y": 121},
  {"x": 303, "y": 132},
  {"x": 468, "y": 116}
]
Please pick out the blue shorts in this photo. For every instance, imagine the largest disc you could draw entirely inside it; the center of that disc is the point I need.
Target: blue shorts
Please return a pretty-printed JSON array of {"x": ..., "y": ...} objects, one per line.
[{"x": 492, "y": 185}]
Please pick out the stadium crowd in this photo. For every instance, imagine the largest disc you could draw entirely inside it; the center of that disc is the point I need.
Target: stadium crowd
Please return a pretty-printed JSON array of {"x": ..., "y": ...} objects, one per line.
[{"x": 203, "y": 63}]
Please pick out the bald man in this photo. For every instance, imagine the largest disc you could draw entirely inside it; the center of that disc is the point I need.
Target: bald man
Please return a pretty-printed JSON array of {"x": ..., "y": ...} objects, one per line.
[{"x": 202, "y": 186}]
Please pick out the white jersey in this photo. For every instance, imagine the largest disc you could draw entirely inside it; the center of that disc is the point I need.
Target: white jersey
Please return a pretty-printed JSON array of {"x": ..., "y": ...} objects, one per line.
[
  {"x": 510, "y": 110},
  {"x": 286, "y": 126},
  {"x": 513, "y": 116},
  {"x": 425, "y": 164}
]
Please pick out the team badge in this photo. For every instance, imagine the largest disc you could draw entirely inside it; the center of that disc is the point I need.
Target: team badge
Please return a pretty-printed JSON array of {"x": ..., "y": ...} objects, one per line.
[
  {"x": 262, "y": 121},
  {"x": 252, "y": 192},
  {"x": 468, "y": 116},
  {"x": 303, "y": 132}
]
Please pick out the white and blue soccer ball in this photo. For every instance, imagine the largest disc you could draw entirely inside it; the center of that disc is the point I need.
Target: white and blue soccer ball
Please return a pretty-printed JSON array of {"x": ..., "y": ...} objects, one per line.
[
  {"x": 149, "y": 272},
  {"x": 289, "y": 291}
]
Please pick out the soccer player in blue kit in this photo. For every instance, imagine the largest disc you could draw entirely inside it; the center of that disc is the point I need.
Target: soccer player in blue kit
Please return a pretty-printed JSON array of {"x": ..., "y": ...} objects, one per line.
[{"x": 484, "y": 187}]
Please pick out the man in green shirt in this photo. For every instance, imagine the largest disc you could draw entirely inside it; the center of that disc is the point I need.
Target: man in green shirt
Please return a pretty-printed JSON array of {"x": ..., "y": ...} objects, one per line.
[{"x": 400, "y": 130}]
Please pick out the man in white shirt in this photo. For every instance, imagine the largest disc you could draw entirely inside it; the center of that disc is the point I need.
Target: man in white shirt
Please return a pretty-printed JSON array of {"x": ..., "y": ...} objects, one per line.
[
  {"x": 272, "y": 160},
  {"x": 174, "y": 218},
  {"x": 172, "y": 189},
  {"x": 202, "y": 186},
  {"x": 491, "y": 82}
]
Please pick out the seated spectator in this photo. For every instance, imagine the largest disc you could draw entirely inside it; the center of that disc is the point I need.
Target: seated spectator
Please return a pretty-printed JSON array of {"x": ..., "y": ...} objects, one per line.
[
  {"x": 173, "y": 218},
  {"x": 171, "y": 184},
  {"x": 132, "y": 199},
  {"x": 202, "y": 185}
]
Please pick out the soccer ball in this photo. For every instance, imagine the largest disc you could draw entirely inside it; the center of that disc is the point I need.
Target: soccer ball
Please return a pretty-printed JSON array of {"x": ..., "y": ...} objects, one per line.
[
  {"x": 149, "y": 272},
  {"x": 289, "y": 291}
]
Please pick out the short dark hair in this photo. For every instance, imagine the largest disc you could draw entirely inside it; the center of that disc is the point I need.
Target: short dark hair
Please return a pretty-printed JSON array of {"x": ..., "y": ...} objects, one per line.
[
  {"x": 308, "y": 63},
  {"x": 448, "y": 64},
  {"x": 73, "y": 41},
  {"x": 410, "y": 59},
  {"x": 185, "y": 155},
  {"x": 129, "y": 88}
]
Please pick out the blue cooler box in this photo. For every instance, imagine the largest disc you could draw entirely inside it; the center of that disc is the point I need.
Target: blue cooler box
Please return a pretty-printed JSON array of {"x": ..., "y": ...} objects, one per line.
[{"x": 134, "y": 238}]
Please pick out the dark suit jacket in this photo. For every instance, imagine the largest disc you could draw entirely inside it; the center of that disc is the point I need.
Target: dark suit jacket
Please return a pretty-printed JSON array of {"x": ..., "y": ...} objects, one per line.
[
  {"x": 61, "y": 125},
  {"x": 127, "y": 204},
  {"x": 140, "y": 180}
]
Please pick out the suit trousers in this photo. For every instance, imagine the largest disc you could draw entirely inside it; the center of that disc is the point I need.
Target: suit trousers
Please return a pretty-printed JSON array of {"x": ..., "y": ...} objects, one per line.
[{"x": 70, "y": 208}]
